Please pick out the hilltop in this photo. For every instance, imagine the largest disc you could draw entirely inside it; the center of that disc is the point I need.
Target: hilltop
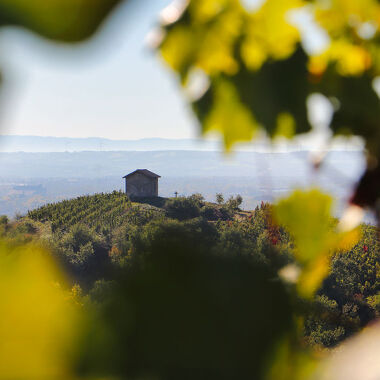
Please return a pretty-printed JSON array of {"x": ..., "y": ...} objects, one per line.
[
  {"x": 107, "y": 211},
  {"x": 93, "y": 235},
  {"x": 103, "y": 211}
]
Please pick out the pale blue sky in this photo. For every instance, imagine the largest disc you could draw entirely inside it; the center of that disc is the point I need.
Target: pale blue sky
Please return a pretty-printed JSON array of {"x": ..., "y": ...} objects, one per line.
[{"x": 112, "y": 87}]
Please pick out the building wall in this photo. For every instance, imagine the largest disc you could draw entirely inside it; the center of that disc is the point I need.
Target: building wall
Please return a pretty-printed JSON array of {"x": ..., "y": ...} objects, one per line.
[{"x": 139, "y": 185}]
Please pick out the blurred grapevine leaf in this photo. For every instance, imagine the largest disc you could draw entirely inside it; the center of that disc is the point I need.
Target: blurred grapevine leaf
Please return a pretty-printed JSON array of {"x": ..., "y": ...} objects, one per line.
[
  {"x": 182, "y": 310},
  {"x": 307, "y": 217},
  {"x": 259, "y": 61},
  {"x": 268, "y": 105},
  {"x": 265, "y": 28},
  {"x": 222, "y": 110},
  {"x": 358, "y": 106},
  {"x": 291, "y": 361},
  {"x": 64, "y": 20},
  {"x": 37, "y": 319},
  {"x": 205, "y": 38},
  {"x": 247, "y": 67},
  {"x": 280, "y": 91},
  {"x": 259, "y": 52}
]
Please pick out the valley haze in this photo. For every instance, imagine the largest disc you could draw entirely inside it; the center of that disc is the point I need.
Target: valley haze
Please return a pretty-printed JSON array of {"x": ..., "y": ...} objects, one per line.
[{"x": 30, "y": 179}]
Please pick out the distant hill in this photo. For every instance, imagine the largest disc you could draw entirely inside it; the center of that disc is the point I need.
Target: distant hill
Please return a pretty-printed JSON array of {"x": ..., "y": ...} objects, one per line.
[
  {"x": 15, "y": 143},
  {"x": 18, "y": 143},
  {"x": 172, "y": 163}
]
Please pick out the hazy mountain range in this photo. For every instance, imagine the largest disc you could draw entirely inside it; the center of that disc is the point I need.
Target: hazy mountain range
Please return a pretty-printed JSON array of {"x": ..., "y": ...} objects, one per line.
[
  {"x": 14, "y": 143},
  {"x": 278, "y": 167}
]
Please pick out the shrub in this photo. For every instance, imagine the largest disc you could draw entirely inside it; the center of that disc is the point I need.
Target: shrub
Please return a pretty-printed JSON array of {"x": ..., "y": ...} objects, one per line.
[
  {"x": 183, "y": 208},
  {"x": 211, "y": 212}
]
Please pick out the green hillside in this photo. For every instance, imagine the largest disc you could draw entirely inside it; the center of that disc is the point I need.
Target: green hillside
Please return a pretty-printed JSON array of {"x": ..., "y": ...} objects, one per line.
[
  {"x": 100, "y": 211},
  {"x": 96, "y": 239}
]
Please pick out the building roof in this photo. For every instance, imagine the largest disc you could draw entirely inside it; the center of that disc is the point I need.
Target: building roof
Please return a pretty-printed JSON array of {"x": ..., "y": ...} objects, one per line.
[{"x": 145, "y": 172}]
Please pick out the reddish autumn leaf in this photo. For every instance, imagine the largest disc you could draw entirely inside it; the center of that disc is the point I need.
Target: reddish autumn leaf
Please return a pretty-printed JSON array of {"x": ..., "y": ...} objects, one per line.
[{"x": 274, "y": 240}]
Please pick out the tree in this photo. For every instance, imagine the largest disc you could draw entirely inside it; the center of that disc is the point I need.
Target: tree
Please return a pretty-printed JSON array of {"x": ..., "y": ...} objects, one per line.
[
  {"x": 219, "y": 198},
  {"x": 234, "y": 203},
  {"x": 198, "y": 199},
  {"x": 183, "y": 208}
]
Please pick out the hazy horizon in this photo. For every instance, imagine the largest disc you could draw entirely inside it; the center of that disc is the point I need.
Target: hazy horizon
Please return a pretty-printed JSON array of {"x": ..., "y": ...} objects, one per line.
[{"x": 34, "y": 143}]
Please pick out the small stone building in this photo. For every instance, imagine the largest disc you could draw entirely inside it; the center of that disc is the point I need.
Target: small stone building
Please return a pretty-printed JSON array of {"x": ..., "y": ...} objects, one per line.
[{"x": 141, "y": 183}]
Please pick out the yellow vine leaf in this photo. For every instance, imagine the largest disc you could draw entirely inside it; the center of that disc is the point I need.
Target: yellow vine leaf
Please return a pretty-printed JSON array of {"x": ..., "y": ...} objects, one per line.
[
  {"x": 37, "y": 320},
  {"x": 230, "y": 116},
  {"x": 205, "y": 10},
  {"x": 178, "y": 49},
  {"x": 307, "y": 217},
  {"x": 350, "y": 48},
  {"x": 290, "y": 363},
  {"x": 205, "y": 38},
  {"x": 269, "y": 33},
  {"x": 337, "y": 15},
  {"x": 351, "y": 59},
  {"x": 286, "y": 125},
  {"x": 216, "y": 48}
]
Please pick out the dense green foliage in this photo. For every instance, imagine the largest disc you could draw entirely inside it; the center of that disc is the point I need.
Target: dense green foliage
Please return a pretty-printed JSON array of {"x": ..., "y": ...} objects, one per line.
[
  {"x": 349, "y": 297},
  {"x": 99, "y": 238},
  {"x": 98, "y": 211}
]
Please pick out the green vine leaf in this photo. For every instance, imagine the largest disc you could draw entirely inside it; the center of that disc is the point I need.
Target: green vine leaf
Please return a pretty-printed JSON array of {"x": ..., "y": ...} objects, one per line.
[
  {"x": 307, "y": 217},
  {"x": 64, "y": 20}
]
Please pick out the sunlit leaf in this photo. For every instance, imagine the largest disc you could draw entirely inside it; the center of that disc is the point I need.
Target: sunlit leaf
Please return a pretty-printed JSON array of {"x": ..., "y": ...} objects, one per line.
[
  {"x": 225, "y": 113},
  {"x": 204, "y": 38},
  {"x": 205, "y": 10},
  {"x": 37, "y": 321},
  {"x": 178, "y": 50},
  {"x": 307, "y": 216},
  {"x": 285, "y": 125},
  {"x": 258, "y": 100},
  {"x": 339, "y": 16},
  {"x": 351, "y": 60},
  {"x": 291, "y": 362},
  {"x": 265, "y": 28}
]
